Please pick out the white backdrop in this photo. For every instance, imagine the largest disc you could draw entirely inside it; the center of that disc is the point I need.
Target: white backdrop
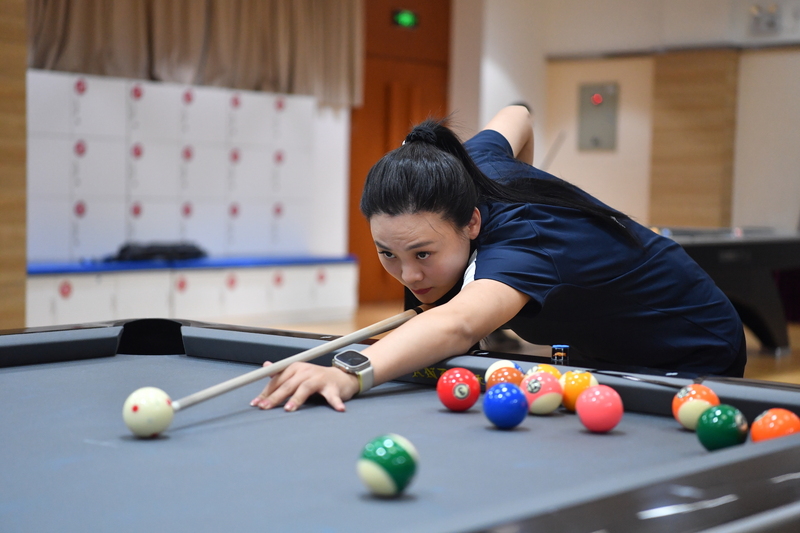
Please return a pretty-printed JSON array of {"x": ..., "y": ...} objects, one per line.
[{"x": 115, "y": 160}]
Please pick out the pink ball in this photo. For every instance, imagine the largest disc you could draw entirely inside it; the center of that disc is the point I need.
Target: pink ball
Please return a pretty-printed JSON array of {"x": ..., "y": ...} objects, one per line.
[
  {"x": 599, "y": 408},
  {"x": 543, "y": 392}
]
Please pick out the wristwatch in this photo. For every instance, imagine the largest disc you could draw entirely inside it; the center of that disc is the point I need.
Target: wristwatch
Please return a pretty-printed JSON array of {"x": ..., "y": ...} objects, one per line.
[{"x": 358, "y": 364}]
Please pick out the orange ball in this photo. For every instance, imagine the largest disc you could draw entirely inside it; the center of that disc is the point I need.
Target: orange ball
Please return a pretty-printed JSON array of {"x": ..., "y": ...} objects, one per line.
[
  {"x": 774, "y": 423},
  {"x": 690, "y": 402},
  {"x": 574, "y": 383},
  {"x": 505, "y": 375}
]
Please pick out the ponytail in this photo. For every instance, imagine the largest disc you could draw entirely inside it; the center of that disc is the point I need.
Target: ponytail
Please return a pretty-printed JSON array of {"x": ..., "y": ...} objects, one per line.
[{"x": 433, "y": 172}]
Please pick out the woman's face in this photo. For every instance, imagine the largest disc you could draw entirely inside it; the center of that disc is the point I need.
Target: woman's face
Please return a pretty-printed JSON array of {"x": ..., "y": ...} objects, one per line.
[{"x": 423, "y": 251}]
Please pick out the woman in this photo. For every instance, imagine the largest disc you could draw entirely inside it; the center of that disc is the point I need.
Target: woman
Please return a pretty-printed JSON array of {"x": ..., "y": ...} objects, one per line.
[{"x": 494, "y": 242}]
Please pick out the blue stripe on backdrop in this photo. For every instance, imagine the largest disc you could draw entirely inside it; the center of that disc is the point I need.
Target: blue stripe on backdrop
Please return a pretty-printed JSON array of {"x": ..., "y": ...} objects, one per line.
[{"x": 208, "y": 262}]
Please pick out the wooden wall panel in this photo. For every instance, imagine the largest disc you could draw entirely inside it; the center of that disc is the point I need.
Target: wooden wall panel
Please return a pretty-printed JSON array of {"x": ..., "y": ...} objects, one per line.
[
  {"x": 405, "y": 82},
  {"x": 429, "y": 42},
  {"x": 694, "y": 123},
  {"x": 13, "y": 58}
]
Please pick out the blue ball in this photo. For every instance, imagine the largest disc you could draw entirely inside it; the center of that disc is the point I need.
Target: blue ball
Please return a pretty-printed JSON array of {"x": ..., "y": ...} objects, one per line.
[{"x": 505, "y": 405}]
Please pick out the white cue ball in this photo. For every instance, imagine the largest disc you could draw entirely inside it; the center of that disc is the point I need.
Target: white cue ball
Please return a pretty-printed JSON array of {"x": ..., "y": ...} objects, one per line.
[{"x": 147, "y": 412}]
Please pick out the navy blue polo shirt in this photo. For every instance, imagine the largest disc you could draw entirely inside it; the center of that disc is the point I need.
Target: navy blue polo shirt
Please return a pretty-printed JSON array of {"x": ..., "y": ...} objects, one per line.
[{"x": 594, "y": 289}]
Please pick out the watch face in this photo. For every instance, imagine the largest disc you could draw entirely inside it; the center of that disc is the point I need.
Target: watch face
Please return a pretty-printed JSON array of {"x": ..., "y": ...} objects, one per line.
[{"x": 352, "y": 358}]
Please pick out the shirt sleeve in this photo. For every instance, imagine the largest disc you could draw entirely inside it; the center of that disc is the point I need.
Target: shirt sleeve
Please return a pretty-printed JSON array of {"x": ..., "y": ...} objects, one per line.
[
  {"x": 489, "y": 144},
  {"x": 495, "y": 157},
  {"x": 509, "y": 251}
]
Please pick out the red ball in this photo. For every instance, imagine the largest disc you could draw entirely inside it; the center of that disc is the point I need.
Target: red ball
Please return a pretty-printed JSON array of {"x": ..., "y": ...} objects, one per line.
[
  {"x": 458, "y": 389},
  {"x": 599, "y": 408}
]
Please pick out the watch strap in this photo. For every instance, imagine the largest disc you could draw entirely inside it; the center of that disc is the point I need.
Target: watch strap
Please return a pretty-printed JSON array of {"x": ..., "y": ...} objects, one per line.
[{"x": 366, "y": 378}]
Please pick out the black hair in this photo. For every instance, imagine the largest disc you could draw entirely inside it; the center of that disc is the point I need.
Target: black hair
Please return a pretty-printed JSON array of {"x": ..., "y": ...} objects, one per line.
[{"x": 433, "y": 172}]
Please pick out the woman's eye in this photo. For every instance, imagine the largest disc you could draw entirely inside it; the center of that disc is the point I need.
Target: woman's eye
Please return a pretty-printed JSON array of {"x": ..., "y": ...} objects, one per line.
[
  {"x": 387, "y": 255},
  {"x": 423, "y": 255}
]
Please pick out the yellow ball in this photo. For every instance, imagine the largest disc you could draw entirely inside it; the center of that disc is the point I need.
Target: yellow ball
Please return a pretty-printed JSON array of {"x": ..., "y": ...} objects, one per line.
[
  {"x": 541, "y": 367},
  {"x": 147, "y": 412},
  {"x": 574, "y": 383}
]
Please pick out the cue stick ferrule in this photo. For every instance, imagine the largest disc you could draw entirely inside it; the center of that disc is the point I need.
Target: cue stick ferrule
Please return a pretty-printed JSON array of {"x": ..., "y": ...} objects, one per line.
[{"x": 266, "y": 371}]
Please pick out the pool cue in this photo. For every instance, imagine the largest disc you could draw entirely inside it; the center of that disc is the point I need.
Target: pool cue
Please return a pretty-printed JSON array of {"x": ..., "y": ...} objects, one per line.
[{"x": 266, "y": 371}]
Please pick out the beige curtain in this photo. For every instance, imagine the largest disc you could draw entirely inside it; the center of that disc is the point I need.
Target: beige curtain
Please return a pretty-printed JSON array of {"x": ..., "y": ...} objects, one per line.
[{"x": 313, "y": 47}]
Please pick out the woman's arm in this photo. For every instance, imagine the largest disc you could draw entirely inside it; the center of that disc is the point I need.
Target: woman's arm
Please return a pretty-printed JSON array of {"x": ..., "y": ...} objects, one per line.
[
  {"x": 514, "y": 123},
  {"x": 451, "y": 329}
]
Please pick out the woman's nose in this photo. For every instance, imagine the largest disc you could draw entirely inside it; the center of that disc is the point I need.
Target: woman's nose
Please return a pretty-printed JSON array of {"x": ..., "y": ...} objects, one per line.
[{"x": 411, "y": 275}]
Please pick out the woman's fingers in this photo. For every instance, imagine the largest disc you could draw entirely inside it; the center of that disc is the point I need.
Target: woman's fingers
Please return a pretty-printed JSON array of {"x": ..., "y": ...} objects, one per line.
[
  {"x": 264, "y": 393},
  {"x": 301, "y": 380},
  {"x": 332, "y": 384},
  {"x": 301, "y": 394},
  {"x": 333, "y": 398}
]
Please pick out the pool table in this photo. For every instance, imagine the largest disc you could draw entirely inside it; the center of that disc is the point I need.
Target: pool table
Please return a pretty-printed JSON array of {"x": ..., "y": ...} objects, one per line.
[
  {"x": 68, "y": 463},
  {"x": 742, "y": 262}
]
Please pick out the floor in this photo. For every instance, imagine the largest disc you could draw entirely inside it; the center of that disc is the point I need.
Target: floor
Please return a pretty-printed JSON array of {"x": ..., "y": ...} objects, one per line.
[{"x": 762, "y": 366}]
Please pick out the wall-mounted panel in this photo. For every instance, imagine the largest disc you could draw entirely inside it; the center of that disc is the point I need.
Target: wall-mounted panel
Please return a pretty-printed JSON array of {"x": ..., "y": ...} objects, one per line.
[{"x": 620, "y": 176}]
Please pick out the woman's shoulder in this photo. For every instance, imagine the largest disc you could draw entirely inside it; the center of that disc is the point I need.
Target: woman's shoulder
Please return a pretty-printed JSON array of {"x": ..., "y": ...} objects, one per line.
[
  {"x": 488, "y": 142},
  {"x": 493, "y": 155}
]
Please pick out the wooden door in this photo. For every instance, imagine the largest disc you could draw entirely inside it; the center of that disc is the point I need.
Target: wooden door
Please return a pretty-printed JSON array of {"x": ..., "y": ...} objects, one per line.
[{"x": 405, "y": 83}]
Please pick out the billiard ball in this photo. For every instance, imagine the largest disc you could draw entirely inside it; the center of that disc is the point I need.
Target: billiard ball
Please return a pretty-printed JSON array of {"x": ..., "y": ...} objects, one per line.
[
  {"x": 502, "y": 363},
  {"x": 690, "y": 402},
  {"x": 147, "y": 412},
  {"x": 544, "y": 368},
  {"x": 458, "y": 389},
  {"x": 543, "y": 392},
  {"x": 505, "y": 405},
  {"x": 599, "y": 408},
  {"x": 574, "y": 383},
  {"x": 504, "y": 375},
  {"x": 774, "y": 423},
  {"x": 387, "y": 464},
  {"x": 721, "y": 426}
]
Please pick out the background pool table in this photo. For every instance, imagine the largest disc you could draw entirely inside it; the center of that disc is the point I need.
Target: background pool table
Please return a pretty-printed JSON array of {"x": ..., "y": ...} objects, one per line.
[
  {"x": 69, "y": 464},
  {"x": 743, "y": 262}
]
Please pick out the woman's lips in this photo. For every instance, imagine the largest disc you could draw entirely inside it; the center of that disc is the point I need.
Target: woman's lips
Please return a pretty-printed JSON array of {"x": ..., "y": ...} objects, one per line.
[{"x": 421, "y": 291}]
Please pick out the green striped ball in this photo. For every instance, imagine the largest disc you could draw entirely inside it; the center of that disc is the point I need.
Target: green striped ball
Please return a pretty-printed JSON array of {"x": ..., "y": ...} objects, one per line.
[{"x": 387, "y": 464}]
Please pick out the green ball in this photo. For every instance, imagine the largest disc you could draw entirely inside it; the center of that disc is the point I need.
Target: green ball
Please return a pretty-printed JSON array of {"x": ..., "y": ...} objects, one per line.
[
  {"x": 721, "y": 426},
  {"x": 387, "y": 464}
]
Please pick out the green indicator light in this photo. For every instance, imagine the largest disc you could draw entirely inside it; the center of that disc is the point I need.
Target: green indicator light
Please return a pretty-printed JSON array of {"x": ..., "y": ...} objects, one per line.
[{"x": 405, "y": 18}]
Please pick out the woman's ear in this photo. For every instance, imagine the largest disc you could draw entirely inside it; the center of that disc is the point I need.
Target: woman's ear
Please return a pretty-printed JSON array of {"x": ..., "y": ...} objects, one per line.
[{"x": 474, "y": 225}]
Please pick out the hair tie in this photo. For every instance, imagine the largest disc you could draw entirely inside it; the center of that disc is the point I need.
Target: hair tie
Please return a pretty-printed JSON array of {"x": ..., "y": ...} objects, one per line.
[{"x": 422, "y": 133}]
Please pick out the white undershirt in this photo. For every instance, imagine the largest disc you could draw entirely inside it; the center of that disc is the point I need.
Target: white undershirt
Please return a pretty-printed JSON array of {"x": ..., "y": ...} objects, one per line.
[{"x": 469, "y": 274}]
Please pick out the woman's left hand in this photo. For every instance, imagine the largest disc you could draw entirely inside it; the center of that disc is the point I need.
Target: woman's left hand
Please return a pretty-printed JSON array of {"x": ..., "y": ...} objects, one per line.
[{"x": 301, "y": 380}]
